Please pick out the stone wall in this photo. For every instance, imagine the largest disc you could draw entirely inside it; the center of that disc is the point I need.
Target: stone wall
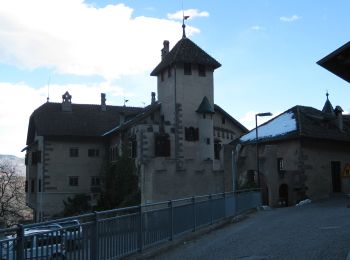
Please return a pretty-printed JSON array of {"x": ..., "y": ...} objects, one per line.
[
  {"x": 306, "y": 168},
  {"x": 57, "y": 166}
]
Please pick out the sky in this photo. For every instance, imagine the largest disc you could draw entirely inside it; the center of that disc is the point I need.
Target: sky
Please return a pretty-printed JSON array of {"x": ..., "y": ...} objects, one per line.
[{"x": 268, "y": 50}]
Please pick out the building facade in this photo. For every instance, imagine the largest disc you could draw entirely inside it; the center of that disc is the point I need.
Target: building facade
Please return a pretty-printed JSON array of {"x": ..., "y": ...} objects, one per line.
[
  {"x": 176, "y": 142},
  {"x": 303, "y": 153}
]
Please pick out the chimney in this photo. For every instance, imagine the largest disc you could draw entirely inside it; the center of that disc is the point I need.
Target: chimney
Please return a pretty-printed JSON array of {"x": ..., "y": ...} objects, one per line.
[
  {"x": 103, "y": 102},
  {"x": 153, "y": 99},
  {"x": 165, "y": 49},
  {"x": 339, "y": 120},
  {"x": 66, "y": 102}
]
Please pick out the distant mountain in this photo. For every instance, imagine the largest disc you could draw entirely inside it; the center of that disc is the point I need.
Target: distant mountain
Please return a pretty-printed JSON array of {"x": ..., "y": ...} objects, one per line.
[{"x": 19, "y": 162}]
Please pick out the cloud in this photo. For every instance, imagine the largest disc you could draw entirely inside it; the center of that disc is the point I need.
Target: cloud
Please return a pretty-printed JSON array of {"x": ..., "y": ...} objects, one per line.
[
  {"x": 193, "y": 13},
  {"x": 20, "y": 100},
  {"x": 290, "y": 18},
  {"x": 72, "y": 37},
  {"x": 257, "y": 28}
]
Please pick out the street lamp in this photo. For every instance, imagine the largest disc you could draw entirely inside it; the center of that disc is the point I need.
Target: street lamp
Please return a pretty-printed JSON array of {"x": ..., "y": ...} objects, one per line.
[{"x": 256, "y": 142}]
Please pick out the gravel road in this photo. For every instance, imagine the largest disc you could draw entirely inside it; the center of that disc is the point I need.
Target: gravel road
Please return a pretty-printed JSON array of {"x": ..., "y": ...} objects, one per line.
[{"x": 319, "y": 230}]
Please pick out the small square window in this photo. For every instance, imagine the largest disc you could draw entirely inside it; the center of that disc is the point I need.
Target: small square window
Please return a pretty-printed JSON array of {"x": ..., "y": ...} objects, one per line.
[
  {"x": 32, "y": 185},
  {"x": 113, "y": 153},
  {"x": 223, "y": 120},
  {"x": 280, "y": 165},
  {"x": 217, "y": 148},
  {"x": 93, "y": 152},
  {"x": 201, "y": 70},
  {"x": 73, "y": 152},
  {"x": 187, "y": 69},
  {"x": 74, "y": 181},
  {"x": 162, "y": 146},
  {"x": 191, "y": 134},
  {"x": 95, "y": 181},
  {"x": 36, "y": 157}
]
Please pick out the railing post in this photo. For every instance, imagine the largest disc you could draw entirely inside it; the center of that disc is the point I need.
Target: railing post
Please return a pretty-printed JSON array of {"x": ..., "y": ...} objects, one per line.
[
  {"x": 235, "y": 199},
  {"x": 194, "y": 213},
  {"x": 171, "y": 219},
  {"x": 94, "y": 249},
  {"x": 211, "y": 208},
  {"x": 224, "y": 195},
  {"x": 141, "y": 230},
  {"x": 20, "y": 242}
]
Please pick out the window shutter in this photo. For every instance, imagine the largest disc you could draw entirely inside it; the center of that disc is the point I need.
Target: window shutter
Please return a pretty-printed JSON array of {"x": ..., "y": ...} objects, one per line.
[{"x": 196, "y": 136}]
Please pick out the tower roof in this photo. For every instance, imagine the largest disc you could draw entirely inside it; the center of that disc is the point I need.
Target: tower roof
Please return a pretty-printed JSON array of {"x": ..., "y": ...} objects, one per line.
[
  {"x": 205, "y": 107},
  {"x": 186, "y": 51},
  {"x": 328, "y": 108}
]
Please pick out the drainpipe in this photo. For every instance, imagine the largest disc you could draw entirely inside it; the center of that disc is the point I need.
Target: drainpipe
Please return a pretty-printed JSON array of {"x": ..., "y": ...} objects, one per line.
[
  {"x": 233, "y": 171},
  {"x": 176, "y": 148}
]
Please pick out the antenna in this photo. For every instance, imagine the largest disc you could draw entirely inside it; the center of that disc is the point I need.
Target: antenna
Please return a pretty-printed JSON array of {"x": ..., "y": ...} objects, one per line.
[{"x": 48, "y": 89}]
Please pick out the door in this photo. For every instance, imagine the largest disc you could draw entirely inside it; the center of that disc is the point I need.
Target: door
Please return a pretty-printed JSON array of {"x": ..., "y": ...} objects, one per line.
[
  {"x": 336, "y": 181},
  {"x": 283, "y": 195}
]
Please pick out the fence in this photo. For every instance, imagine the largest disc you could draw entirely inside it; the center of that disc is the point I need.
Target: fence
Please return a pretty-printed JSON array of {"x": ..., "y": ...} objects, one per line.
[{"x": 116, "y": 233}]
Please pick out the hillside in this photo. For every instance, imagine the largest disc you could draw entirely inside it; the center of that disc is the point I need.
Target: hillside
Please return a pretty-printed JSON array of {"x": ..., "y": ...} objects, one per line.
[{"x": 19, "y": 162}]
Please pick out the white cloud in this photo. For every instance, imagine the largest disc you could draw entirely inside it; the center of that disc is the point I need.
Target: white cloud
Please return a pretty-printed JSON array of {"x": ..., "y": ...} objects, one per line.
[
  {"x": 290, "y": 18},
  {"x": 190, "y": 12},
  {"x": 257, "y": 28},
  {"x": 20, "y": 100},
  {"x": 72, "y": 37}
]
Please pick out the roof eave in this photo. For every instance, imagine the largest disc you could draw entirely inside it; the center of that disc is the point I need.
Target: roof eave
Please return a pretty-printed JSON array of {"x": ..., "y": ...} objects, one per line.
[{"x": 333, "y": 62}]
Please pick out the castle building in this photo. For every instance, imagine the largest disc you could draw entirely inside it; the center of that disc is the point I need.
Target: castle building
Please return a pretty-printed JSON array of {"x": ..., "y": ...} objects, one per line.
[{"x": 176, "y": 142}]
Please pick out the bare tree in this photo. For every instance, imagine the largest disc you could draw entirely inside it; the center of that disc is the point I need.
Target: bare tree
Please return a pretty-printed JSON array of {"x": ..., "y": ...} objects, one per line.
[{"x": 12, "y": 196}]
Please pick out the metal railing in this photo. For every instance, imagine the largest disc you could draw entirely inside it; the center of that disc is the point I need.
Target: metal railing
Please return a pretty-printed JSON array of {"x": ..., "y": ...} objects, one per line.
[{"x": 116, "y": 233}]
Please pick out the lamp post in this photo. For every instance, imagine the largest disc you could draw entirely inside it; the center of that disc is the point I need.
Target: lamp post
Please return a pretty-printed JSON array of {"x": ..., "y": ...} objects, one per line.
[{"x": 257, "y": 143}]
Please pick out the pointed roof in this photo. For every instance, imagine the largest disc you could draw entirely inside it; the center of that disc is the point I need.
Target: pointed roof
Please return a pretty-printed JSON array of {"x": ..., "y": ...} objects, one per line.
[
  {"x": 205, "y": 107},
  {"x": 186, "y": 51},
  {"x": 328, "y": 108}
]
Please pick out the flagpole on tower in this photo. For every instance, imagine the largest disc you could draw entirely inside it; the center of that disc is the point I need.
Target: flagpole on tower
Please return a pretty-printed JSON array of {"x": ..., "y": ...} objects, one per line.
[{"x": 184, "y": 17}]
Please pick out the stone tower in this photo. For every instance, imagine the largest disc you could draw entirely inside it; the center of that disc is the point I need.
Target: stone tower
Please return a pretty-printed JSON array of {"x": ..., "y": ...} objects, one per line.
[{"x": 186, "y": 92}]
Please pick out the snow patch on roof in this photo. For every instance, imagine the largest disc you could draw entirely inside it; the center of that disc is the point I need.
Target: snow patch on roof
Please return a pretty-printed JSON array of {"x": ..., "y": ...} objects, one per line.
[{"x": 280, "y": 125}]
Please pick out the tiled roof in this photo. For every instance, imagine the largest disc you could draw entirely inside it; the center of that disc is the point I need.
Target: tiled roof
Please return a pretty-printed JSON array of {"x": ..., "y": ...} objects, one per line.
[
  {"x": 84, "y": 120},
  {"x": 205, "y": 107},
  {"x": 311, "y": 123},
  {"x": 140, "y": 116},
  {"x": 186, "y": 51},
  {"x": 234, "y": 121}
]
